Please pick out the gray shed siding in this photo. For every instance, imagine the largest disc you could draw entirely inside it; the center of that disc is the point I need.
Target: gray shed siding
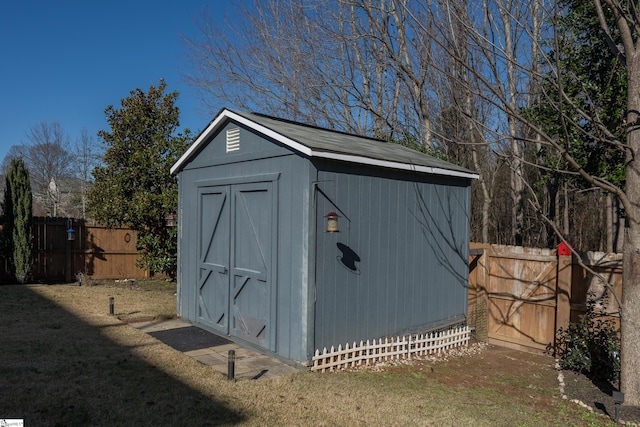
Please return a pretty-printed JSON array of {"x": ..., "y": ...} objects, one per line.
[
  {"x": 260, "y": 160},
  {"x": 398, "y": 265},
  {"x": 410, "y": 235}
]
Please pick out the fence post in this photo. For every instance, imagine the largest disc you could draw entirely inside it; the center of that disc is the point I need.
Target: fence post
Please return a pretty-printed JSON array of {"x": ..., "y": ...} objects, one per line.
[
  {"x": 68, "y": 261},
  {"x": 563, "y": 289},
  {"x": 479, "y": 267}
]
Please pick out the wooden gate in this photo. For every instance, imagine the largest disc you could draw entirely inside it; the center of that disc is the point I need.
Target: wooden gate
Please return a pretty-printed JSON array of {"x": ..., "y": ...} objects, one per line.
[{"x": 517, "y": 290}]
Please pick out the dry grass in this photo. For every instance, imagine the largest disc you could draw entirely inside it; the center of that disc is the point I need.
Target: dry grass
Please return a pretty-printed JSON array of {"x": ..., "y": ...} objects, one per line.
[{"x": 65, "y": 361}]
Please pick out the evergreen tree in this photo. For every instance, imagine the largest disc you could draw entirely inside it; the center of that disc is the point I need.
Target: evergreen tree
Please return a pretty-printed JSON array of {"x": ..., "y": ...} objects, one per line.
[
  {"x": 134, "y": 186},
  {"x": 581, "y": 104},
  {"x": 18, "y": 233},
  {"x": 593, "y": 81}
]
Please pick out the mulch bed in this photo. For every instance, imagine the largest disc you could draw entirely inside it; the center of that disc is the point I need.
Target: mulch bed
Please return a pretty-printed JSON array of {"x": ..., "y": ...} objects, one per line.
[{"x": 597, "y": 395}]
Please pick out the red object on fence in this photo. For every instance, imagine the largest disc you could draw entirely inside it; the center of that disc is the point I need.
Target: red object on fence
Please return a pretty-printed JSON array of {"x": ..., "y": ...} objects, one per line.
[{"x": 563, "y": 249}]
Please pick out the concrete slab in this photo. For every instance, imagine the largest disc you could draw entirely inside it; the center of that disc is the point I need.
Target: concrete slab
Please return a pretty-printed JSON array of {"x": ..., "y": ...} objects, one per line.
[
  {"x": 212, "y": 350},
  {"x": 212, "y": 360},
  {"x": 160, "y": 325}
]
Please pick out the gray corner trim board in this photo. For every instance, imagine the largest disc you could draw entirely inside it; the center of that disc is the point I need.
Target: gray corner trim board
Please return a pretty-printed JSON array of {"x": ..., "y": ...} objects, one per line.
[{"x": 309, "y": 151}]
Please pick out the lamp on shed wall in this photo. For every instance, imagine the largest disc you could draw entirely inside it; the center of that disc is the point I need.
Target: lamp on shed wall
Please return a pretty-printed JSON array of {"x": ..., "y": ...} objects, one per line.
[{"x": 332, "y": 222}]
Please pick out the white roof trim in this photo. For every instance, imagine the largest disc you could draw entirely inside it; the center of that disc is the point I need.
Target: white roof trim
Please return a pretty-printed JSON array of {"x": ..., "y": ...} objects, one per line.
[
  {"x": 306, "y": 150},
  {"x": 253, "y": 125},
  {"x": 393, "y": 165}
]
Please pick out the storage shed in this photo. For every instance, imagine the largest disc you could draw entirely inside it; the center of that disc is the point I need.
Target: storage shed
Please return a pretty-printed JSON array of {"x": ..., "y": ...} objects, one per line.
[{"x": 293, "y": 238}]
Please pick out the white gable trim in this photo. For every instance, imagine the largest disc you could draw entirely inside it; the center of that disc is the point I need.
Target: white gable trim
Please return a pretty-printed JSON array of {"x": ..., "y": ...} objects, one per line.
[
  {"x": 393, "y": 165},
  {"x": 213, "y": 126},
  {"x": 227, "y": 114}
]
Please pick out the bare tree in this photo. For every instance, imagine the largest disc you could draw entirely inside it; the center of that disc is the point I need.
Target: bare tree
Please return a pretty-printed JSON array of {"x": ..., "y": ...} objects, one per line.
[
  {"x": 48, "y": 158},
  {"x": 626, "y": 22},
  {"x": 459, "y": 114},
  {"x": 503, "y": 33},
  {"x": 379, "y": 68},
  {"x": 88, "y": 158},
  {"x": 354, "y": 66},
  {"x": 502, "y": 74},
  {"x": 15, "y": 152}
]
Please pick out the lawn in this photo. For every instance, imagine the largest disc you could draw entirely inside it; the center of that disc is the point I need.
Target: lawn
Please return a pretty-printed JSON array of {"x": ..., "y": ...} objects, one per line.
[{"x": 65, "y": 361}]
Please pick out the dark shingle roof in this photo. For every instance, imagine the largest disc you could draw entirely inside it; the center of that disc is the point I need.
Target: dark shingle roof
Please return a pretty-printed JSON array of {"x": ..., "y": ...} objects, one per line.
[
  {"x": 337, "y": 142},
  {"x": 318, "y": 142}
]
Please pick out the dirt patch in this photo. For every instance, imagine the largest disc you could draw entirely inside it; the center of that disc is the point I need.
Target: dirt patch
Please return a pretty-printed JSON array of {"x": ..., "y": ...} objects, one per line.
[
  {"x": 525, "y": 377},
  {"x": 597, "y": 395}
]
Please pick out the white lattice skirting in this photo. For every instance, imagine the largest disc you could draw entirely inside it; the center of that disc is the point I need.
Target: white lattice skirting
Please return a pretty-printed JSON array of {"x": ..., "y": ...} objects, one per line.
[{"x": 390, "y": 349}]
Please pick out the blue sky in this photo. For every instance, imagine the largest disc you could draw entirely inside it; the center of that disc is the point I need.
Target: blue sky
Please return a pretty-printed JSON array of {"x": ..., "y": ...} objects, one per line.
[{"x": 66, "y": 61}]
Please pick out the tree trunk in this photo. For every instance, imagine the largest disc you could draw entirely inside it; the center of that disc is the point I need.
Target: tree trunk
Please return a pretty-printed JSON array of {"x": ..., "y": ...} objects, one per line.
[
  {"x": 486, "y": 195},
  {"x": 630, "y": 310},
  {"x": 619, "y": 222},
  {"x": 552, "y": 209},
  {"x": 610, "y": 225},
  {"x": 630, "y": 325},
  {"x": 517, "y": 185},
  {"x": 566, "y": 227}
]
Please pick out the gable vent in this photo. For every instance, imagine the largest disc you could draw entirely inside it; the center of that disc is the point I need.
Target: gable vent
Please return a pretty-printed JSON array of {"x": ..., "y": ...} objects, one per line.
[{"x": 233, "y": 140}]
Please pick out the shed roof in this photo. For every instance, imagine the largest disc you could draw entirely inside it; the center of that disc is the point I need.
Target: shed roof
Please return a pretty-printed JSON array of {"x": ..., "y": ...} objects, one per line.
[{"x": 329, "y": 144}]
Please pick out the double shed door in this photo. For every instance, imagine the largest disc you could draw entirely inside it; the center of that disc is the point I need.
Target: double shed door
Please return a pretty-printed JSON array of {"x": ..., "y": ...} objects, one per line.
[{"x": 236, "y": 290}]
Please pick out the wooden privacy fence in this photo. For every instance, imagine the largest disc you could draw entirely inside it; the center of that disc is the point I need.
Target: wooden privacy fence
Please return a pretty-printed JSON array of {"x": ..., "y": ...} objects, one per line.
[
  {"x": 403, "y": 347},
  {"x": 519, "y": 297},
  {"x": 96, "y": 252}
]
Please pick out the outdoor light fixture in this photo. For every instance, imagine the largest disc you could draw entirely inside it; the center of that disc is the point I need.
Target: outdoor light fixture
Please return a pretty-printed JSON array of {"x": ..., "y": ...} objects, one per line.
[
  {"x": 231, "y": 364},
  {"x": 618, "y": 399},
  {"x": 332, "y": 222}
]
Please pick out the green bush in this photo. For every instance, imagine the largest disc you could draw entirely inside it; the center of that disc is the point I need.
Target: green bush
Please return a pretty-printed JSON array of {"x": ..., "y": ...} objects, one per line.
[
  {"x": 590, "y": 346},
  {"x": 17, "y": 228}
]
